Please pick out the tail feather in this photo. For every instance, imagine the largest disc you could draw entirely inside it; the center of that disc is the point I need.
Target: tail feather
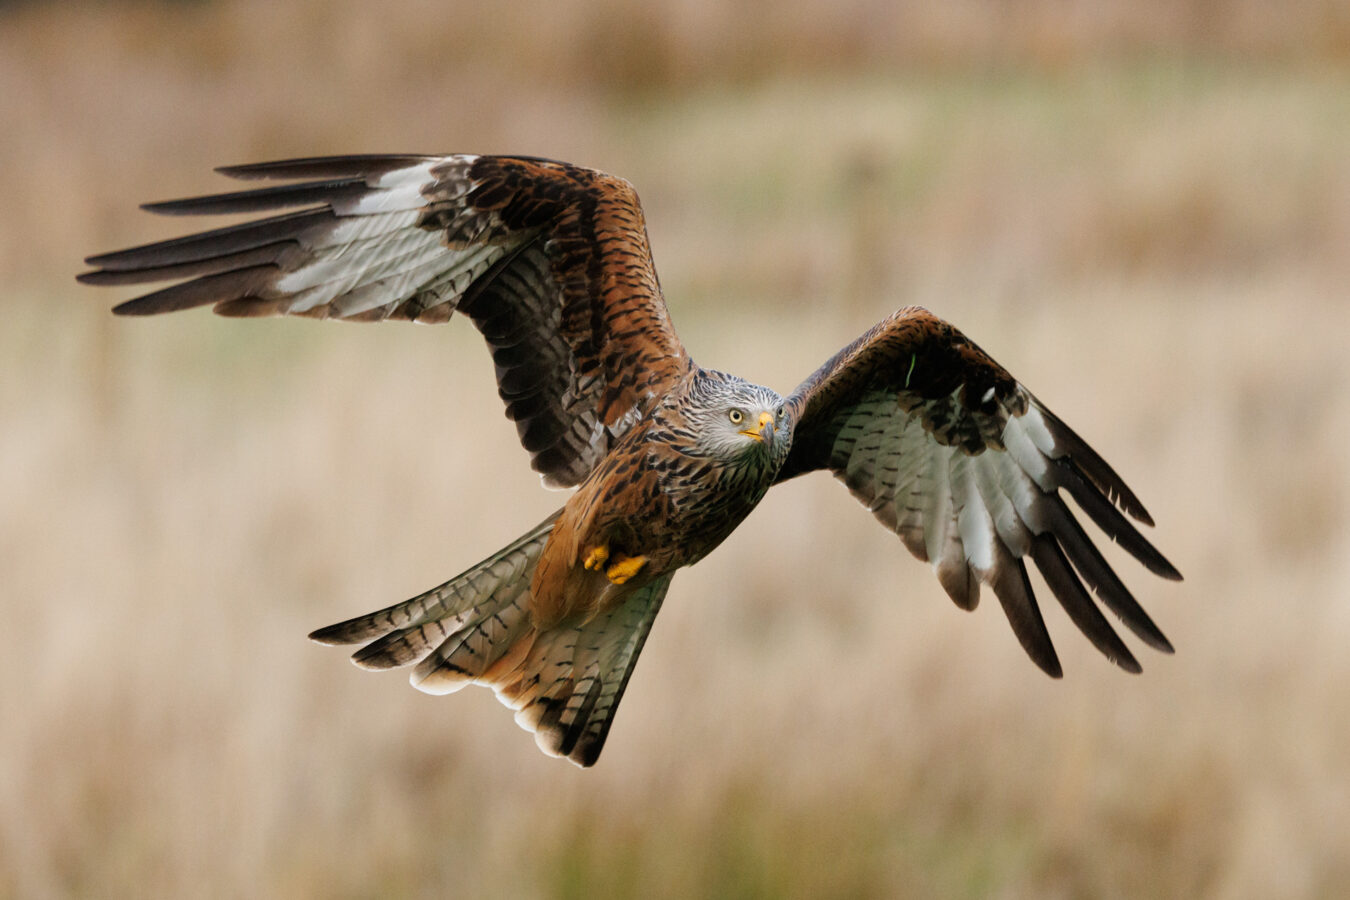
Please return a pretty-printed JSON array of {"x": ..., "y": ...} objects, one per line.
[
  {"x": 564, "y": 681},
  {"x": 568, "y": 687},
  {"x": 472, "y": 644},
  {"x": 459, "y": 596}
]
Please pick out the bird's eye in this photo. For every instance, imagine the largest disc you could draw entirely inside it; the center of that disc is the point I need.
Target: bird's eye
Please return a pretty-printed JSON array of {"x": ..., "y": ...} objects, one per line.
[
  {"x": 736, "y": 416},
  {"x": 782, "y": 413}
]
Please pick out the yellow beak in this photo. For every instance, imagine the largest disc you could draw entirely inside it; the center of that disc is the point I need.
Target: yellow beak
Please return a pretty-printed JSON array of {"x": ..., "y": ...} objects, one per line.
[{"x": 765, "y": 421}]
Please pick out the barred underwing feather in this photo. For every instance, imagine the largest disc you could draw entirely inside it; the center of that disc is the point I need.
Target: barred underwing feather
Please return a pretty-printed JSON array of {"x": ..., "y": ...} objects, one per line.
[{"x": 946, "y": 449}]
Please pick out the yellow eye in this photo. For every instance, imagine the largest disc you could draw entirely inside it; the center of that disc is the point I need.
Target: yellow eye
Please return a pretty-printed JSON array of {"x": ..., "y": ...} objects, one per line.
[
  {"x": 736, "y": 416},
  {"x": 782, "y": 413}
]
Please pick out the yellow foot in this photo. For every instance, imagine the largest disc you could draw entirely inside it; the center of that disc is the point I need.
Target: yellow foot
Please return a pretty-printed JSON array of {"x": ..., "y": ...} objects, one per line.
[
  {"x": 625, "y": 568},
  {"x": 596, "y": 558}
]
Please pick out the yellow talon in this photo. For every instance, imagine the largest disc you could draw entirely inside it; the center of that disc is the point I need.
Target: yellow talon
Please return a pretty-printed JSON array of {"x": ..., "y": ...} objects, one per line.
[
  {"x": 625, "y": 568},
  {"x": 597, "y": 557}
]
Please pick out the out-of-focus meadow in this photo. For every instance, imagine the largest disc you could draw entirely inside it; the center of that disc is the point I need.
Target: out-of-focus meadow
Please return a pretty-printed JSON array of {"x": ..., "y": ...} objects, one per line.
[{"x": 1142, "y": 210}]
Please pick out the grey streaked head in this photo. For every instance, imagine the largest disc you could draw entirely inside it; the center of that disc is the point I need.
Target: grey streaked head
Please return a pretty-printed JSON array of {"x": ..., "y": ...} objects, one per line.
[{"x": 739, "y": 421}]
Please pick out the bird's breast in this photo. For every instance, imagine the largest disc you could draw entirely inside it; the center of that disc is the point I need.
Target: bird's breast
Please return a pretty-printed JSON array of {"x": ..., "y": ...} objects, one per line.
[{"x": 710, "y": 498}]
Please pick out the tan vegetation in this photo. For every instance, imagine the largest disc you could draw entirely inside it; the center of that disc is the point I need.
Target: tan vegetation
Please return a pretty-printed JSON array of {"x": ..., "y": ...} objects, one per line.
[{"x": 1143, "y": 211}]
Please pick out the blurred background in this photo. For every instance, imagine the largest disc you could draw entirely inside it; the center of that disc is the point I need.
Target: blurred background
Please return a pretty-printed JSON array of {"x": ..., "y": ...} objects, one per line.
[{"x": 1141, "y": 209}]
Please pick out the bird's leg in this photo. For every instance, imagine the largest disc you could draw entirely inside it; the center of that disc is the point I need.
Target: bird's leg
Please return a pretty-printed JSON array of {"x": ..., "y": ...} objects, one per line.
[
  {"x": 624, "y": 568},
  {"x": 596, "y": 558}
]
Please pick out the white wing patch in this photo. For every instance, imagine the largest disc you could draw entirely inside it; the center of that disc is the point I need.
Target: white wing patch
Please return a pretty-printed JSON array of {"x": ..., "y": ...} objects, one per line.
[
  {"x": 1030, "y": 456},
  {"x": 973, "y": 521},
  {"x": 376, "y": 255},
  {"x": 1034, "y": 423},
  {"x": 400, "y": 189},
  {"x": 950, "y": 508},
  {"x": 350, "y": 232}
]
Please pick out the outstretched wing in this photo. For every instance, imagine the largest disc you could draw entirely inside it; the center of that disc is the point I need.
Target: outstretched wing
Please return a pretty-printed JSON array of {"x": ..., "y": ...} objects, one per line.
[
  {"x": 950, "y": 452},
  {"x": 550, "y": 261}
]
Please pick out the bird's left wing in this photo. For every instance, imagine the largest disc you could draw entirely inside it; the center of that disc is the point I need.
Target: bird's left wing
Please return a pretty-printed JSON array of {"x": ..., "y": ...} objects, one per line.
[
  {"x": 953, "y": 454},
  {"x": 549, "y": 260}
]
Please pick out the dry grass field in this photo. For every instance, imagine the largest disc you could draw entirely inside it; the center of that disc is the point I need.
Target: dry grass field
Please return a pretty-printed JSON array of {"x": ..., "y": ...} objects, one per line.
[{"x": 1142, "y": 211}]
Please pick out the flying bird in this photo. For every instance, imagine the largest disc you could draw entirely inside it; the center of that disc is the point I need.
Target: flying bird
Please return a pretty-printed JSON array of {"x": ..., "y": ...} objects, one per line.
[{"x": 551, "y": 263}]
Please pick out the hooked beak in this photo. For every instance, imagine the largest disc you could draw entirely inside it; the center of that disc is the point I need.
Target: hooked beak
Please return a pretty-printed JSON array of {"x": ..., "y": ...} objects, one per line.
[{"x": 763, "y": 431}]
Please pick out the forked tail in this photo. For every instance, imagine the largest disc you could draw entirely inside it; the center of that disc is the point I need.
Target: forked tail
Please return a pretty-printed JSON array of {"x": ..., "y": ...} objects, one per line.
[{"x": 564, "y": 682}]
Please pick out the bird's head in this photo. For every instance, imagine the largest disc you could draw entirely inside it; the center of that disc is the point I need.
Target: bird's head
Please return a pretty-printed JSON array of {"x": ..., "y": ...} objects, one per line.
[{"x": 739, "y": 420}]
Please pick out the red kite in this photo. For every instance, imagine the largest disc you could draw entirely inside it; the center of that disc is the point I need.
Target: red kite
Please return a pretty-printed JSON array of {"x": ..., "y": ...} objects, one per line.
[{"x": 551, "y": 263}]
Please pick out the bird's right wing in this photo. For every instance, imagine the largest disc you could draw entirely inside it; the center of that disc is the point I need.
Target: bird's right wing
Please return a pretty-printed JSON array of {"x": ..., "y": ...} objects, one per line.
[{"x": 550, "y": 261}]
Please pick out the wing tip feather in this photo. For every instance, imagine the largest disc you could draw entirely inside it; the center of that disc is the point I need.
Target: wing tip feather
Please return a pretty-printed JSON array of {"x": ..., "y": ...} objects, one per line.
[
  {"x": 1129, "y": 664},
  {"x": 333, "y": 635},
  {"x": 1051, "y": 666},
  {"x": 325, "y": 166},
  {"x": 137, "y": 307},
  {"x": 167, "y": 208}
]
